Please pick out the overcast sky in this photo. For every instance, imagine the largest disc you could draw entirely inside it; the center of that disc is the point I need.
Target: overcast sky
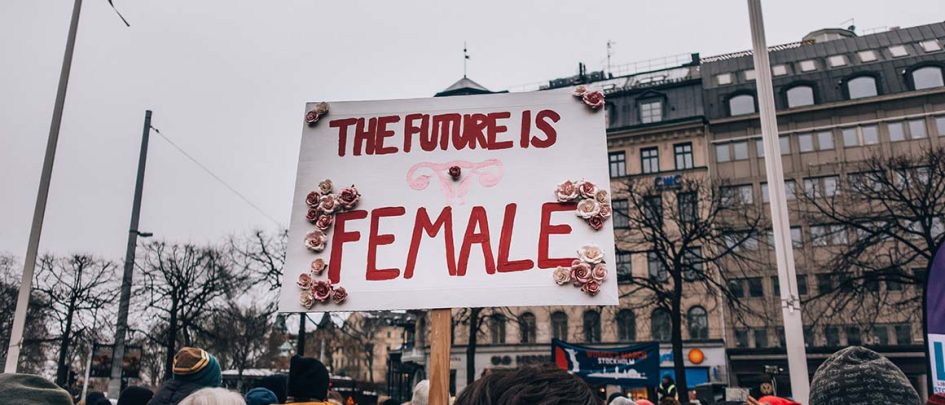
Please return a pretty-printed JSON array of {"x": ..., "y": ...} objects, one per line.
[{"x": 227, "y": 81}]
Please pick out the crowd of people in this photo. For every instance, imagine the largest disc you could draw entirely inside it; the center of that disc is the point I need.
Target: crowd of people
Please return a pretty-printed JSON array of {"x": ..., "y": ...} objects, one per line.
[{"x": 854, "y": 375}]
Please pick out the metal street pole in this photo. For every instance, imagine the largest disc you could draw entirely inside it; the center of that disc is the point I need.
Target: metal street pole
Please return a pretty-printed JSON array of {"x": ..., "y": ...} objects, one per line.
[
  {"x": 39, "y": 212},
  {"x": 784, "y": 251},
  {"x": 121, "y": 327},
  {"x": 300, "y": 339}
]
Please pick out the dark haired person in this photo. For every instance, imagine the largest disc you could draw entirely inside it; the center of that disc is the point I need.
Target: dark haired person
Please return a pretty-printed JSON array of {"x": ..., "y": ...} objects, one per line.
[
  {"x": 530, "y": 385},
  {"x": 308, "y": 382}
]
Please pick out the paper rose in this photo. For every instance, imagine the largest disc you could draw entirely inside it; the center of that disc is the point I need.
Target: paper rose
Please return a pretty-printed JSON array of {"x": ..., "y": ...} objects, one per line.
[
  {"x": 566, "y": 191},
  {"x": 599, "y": 272},
  {"x": 590, "y": 253},
  {"x": 339, "y": 295},
  {"x": 322, "y": 290},
  {"x": 327, "y": 204},
  {"x": 349, "y": 197},
  {"x": 312, "y": 117},
  {"x": 306, "y": 300},
  {"x": 580, "y": 273},
  {"x": 321, "y": 108},
  {"x": 602, "y": 197},
  {"x": 455, "y": 172},
  {"x": 591, "y": 288},
  {"x": 587, "y": 208},
  {"x": 579, "y": 91},
  {"x": 605, "y": 211},
  {"x": 315, "y": 240},
  {"x": 562, "y": 275},
  {"x": 593, "y": 99},
  {"x": 312, "y": 199},
  {"x": 311, "y": 215},
  {"x": 324, "y": 222},
  {"x": 596, "y": 222},
  {"x": 587, "y": 189},
  {"x": 304, "y": 281},
  {"x": 318, "y": 266},
  {"x": 325, "y": 187}
]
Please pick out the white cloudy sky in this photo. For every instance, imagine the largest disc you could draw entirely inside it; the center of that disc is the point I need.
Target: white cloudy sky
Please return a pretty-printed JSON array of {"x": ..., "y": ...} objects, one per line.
[{"x": 227, "y": 81}]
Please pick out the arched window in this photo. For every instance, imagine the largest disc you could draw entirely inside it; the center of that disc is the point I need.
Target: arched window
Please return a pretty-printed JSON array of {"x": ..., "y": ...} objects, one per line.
[
  {"x": 927, "y": 77},
  {"x": 698, "y": 321},
  {"x": 497, "y": 329},
  {"x": 741, "y": 104},
  {"x": 526, "y": 325},
  {"x": 626, "y": 326},
  {"x": 592, "y": 327},
  {"x": 863, "y": 86},
  {"x": 799, "y": 96},
  {"x": 660, "y": 325},
  {"x": 559, "y": 325}
]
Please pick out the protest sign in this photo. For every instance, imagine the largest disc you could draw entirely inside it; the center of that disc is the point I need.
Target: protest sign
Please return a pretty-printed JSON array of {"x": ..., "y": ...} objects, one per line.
[
  {"x": 629, "y": 366},
  {"x": 447, "y": 202}
]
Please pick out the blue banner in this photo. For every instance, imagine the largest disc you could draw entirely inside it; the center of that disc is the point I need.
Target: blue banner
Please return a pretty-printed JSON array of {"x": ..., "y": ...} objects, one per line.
[{"x": 628, "y": 366}]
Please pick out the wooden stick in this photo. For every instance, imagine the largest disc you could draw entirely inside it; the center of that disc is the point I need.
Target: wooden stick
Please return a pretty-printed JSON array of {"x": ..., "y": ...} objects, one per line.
[{"x": 440, "y": 356}]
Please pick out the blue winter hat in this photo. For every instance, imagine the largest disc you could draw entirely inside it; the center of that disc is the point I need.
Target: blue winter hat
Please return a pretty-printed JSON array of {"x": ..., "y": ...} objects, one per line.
[
  {"x": 260, "y": 396},
  {"x": 198, "y": 367}
]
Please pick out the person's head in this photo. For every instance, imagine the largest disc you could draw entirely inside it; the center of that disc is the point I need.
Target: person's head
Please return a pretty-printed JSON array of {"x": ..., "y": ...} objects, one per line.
[
  {"x": 277, "y": 383},
  {"x": 96, "y": 398},
  {"x": 198, "y": 367},
  {"x": 134, "y": 395},
  {"x": 612, "y": 396},
  {"x": 260, "y": 396},
  {"x": 669, "y": 401},
  {"x": 644, "y": 402},
  {"x": 28, "y": 389},
  {"x": 856, "y": 374},
  {"x": 213, "y": 396},
  {"x": 421, "y": 393},
  {"x": 621, "y": 400},
  {"x": 528, "y": 385},
  {"x": 308, "y": 380},
  {"x": 334, "y": 397},
  {"x": 667, "y": 380}
]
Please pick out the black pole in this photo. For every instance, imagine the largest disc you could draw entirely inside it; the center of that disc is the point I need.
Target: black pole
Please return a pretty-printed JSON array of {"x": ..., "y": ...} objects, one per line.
[
  {"x": 121, "y": 327},
  {"x": 300, "y": 345}
]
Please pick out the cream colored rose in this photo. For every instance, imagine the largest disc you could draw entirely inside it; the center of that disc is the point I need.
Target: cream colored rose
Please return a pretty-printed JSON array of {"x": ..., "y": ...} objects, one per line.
[
  {"x": 580, "y": 90},
  {"x": 562, "y": 275},
  {"x": 321, "y": 108},
  {"x": 325, "y": 187},
  {"x": 566, "y": 191},
  {"x": 306, "y": 299},
  {"x": 599, "y": 273},
  {"x": 591, "y": 253},
  {"x": 587, "y": 208},
  {"x": 602, "y": 197}
]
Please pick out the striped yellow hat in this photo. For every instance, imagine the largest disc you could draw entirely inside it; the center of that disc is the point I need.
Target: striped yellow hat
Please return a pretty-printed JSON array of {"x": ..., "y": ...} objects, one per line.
[{"x": 190, "y": 360}]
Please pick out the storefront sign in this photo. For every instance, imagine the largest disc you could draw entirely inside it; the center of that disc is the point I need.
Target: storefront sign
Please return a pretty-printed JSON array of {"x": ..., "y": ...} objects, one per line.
[
  {"x": 629, "y": 366},
  {"x": 935, "y": 320},
  {"x": 449, "y": 202}
]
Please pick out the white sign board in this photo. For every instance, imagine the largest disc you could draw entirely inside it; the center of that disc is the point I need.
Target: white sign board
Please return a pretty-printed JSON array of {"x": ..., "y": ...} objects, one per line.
[{"x": 456, "y": 205}]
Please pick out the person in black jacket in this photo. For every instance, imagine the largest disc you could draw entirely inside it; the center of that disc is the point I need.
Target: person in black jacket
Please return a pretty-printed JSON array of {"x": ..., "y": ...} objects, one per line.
[
  {"x": 193, "y": 369},
  {"x": 667, "y": 388}
]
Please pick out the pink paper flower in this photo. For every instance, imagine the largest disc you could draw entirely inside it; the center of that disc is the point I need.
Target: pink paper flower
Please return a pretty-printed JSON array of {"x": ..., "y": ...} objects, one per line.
[
  {"x": 306, "y": 300},
  {"x": 324, "y": 222},
  {"x": 587, "y": 189},
  {"x": 455, "y": 172},
  {"x": 312, "y": 117},
  {"x": 311, "y": 215},
  {"x": 587, "y": 208},
  {"x": 349, "y": 197},
  {"x": 325, "y": 187},
  {"x": 591, "y": 254},
  {"x": 594, "y": 99},
  {"x": 312, "y": 199},
  {"x": 318, "y": 266},
  {"x": 562, "y": 275},
  {"x": 596, "y": 222},
  {"x": 322, "y": 290},
  {"x": 605, "y": 211},
  {"x": 304, "y": 281},
  {"x": 579, "y": 91},
  {"x": 327, "y": 204},
  {"x": 321, "y": 108},
  {"x": 566, "y": 191},
  {"x": 599, "y": 272},
  {"x": 315, "y": 240},
  {"x": 339, "y": 295},
  {"x": 602, "y": 197},
  {"x": 580, "y": 273},
  {"x": 591, "y": 288}
]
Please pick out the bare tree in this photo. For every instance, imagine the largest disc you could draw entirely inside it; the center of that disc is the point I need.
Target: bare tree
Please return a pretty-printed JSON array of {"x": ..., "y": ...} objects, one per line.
[
  {"x": 473, "y": 319},
  {"x": 182, "y": 285},
  {"x": 362, "y": 329},
  {"x": 884, "y": 218},
  {"x": 261, "y": 254},
  {"x": 691, "y": 232},
  {"x": 238, "y": 335},
  {"x": 33, "y": 352},
  {"x": 77, "y": 288}
]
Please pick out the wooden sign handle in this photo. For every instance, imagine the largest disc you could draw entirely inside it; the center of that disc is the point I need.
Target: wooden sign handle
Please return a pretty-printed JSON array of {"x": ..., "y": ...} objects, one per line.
[{"x": 440, "y": 356}]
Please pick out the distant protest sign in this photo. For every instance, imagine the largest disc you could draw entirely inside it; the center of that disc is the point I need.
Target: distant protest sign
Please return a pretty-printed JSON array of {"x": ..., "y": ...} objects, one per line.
[
  {"x": 628, "y": 366},
  {"x": 471, "y": 201},
  {"x": 935, "y": 319}
]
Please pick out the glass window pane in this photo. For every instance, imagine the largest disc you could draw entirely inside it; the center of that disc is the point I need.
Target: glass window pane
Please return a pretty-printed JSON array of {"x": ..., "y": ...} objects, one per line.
[
  {"x": 750, "y": 74},
  {"x": 683, "y": 156},
  {"x": 722, "y": 152},
  {"x": 863, "y": 86},
  {"x": 785, "y": 145},
  {"x": 898, "y": 51},
  {"x": 755, "y": 287},
  {"x": 870, "y": 134},
  {"x": 940, "y": 125},
  {"x": 621, "y": 213},
  {"x": 618, "y": 164},
  {"x": 651, "y": 111},
  {"x": 742, "y": 104},
  {"x": 764, "y": 192},
  {"x": 789, "y": 187},
  {"x": 849, "y": 137},
  {"x": 740, "y": 150},
  {"x": 897, "y": 131},
  {"x": 917, "y": 129},
  {"x": 808, "y": 65},
  {"x": 805, "y": 142},
  {"x": 837, "y": 60},
  {"x": 724, "y": 78},
  {"x": 927, "y": 77},
  {"x": 796, "y": 237},
  {"x": 825, "y": 140},
  {"x": 650, "y": 160},
  {"x": 779, "y": 70},
  {"x": 760, "y": 146},
  {"x": 867, "y": 56},
  {"x": 800, "y": 96},
  {"x": 930, "y": 46}
]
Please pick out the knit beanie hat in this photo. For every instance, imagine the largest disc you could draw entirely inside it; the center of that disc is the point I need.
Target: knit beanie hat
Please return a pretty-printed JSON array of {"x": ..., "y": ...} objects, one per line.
[
  {"x": 135, "y": 395},
  {"x": 308, "y": 379},
  {"x": 857, "y": 375},
  {"x": 260, "y": 396},
  {"x": 197, "y": 366},
  {"x": 28, "y": 389}
]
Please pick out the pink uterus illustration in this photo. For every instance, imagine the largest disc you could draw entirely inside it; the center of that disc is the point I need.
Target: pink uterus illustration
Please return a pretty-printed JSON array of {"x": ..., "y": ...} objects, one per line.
[{"x": 488, "y": 173}]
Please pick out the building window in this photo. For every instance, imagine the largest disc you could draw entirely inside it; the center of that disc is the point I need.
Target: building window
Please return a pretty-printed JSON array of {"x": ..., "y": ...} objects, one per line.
[
  {"x": 867, "y": 56},
  {"x": 683, "y": 152},
  {"x": 940, "y": 125},
  {"x": 755, "y": 287},
  {"x": 879, "y": 335},
  {"x": 761, "y": 338},
  {"x": 698, "y": 321},
  {"x": 737, "y": 194},
  {"x": 722, "y": 153},
  {"x": 837, "y": 60},
  {"x": 650, "y": 160},
  {"x": 559, "y": 325},
  {"x": 692, "y": 263},
  {"x": 736, "y": 288},
  {"x": 741, "y": 338},
  {"x": 805, "y": 142},
  {"x": 651, "y": 111},
  {"x": 624, "y": 267},
  {"x": 864, "y": 135},
  {"x": 808, "y": 65},
  {"x": 810, "y": 142},
  {"x": 592, "y": 326},
  {"x": 801, "y": 284},
  {"x": 860, "y": 87},
  {"x": 779, "y": 70},
  {"x": 898, "y": 51},
  {"x": 653, "y": 210},
  {"x": 660, "y": 325},
  {"x": 826, "y": 235},
  {"x": 897, "y": 131},
  {"x": 854, "y": 337},
  {"x": 903, "y": 334},
  {"x": 749, "y": 75},
  {"x": 797, "y": 239},
  {"x": 618, "y": 164},
  {"x": 832, "y": 335},
  {"x": 723, "y": 79},
  {"x": 621, "y": 213},
  {"x": 799, "y": 96},
  {"x": 927, "y": 78},
  {"x": 741, "y": 104},
  {"x": 688, "y": 207},
  {"x": 655, "y": 268},
  {"x": 930, "y": 46},
  {"x": 739, "y": 150},
  {"x": 917, "y": 129},
  {"x": 626, "y": 326},
  {"x": 527, "y": 327},
  {"x": 497, "y": 329}
]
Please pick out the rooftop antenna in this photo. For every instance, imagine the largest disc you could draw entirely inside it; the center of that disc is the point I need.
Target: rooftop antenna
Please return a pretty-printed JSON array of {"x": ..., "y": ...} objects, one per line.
[
  {"x": 465, "y": 59},
  {"x": 610, "y": 48}
]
